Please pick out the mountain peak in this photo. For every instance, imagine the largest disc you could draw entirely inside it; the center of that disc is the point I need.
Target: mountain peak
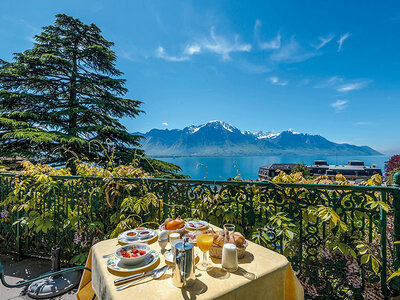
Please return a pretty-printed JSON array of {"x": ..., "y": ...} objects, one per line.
[
  {"x": 218, "y": 138},
  {"x": 215, "y": 124}
]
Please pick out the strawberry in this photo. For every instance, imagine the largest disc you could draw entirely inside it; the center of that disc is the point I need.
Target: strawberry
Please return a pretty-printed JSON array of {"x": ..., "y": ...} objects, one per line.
[
  {"x": 135, "y": 251},
  {"x": 135, "y": 255},
  {"x": 142, "y": 252}
]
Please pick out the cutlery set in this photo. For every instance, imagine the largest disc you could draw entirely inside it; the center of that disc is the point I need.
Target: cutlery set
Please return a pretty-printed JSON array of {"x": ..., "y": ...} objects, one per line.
[{"x": 155, "y": 274}]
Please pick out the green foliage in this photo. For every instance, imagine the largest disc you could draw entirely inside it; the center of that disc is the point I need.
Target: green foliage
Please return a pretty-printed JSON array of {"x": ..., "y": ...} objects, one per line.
[
  {"x": 64, "y": 98},
  {"x": 309, "y": 226},
  {"x": 37, "y": 183},
  {"x": 302, "y": 168}
]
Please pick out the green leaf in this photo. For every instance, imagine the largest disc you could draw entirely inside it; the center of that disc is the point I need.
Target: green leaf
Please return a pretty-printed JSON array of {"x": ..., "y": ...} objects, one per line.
[
  {"x": 375, "y": 266},
  {"x": 394, "y": 274},
  {"x": 365, "y": 258}
]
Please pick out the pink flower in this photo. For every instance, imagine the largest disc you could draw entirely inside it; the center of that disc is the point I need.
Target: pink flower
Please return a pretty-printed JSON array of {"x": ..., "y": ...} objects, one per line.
[{"x": 77, "y": 237}]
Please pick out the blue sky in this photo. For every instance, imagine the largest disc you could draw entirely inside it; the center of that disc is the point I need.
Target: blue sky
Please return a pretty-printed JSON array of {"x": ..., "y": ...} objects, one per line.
[{"x": 320, "y": 67}]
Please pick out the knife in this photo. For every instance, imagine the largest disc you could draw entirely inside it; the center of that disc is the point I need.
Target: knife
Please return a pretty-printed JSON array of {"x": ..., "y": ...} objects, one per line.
[{"x": 136, "y": 276}]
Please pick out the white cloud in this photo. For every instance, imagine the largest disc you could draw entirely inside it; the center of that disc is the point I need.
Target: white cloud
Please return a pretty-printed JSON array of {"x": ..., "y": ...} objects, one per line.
[
  {"x": 272, "y": 44},
  {"x": 276, "y": 81},
  {"x": 331, "y": 82},
  {"x": 165, "y": 123},
  {"x": 192, "y": 49},
  {"x": 341, "y": 40},
  {"x": 324, "y": 41},
  {"x": 213, "y": 43},
  {"x": 291, "y": 52},
  {"x": 346, "y": 87},
  {"x": 341, "y": 85},
  {"x": 161, "y": 53},
  {"x": 339, "y": 105},
  {"x": 222, "y": 46}
]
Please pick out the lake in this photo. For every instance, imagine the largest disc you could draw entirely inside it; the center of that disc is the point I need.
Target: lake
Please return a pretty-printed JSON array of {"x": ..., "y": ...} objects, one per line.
[{"x": 222, "y": 168}]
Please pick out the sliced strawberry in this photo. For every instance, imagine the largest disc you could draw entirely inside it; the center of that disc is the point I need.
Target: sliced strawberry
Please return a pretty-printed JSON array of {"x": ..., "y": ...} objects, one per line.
[
  {"x": 142, "y": 252},
  {"x": 135, "y": 255},
  {"x": 135, "y": 251}
]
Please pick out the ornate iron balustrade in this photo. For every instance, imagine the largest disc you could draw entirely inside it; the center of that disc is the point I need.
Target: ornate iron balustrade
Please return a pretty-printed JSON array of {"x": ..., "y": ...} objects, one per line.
[{"x": 275, "y": 215}]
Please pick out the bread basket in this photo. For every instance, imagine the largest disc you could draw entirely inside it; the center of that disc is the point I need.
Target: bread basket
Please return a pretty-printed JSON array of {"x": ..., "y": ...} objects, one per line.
[{"x": 216, "y": 251}]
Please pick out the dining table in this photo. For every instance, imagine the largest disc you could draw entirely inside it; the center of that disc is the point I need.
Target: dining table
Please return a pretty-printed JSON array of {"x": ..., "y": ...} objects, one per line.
[{"x": 262, "y": 274}]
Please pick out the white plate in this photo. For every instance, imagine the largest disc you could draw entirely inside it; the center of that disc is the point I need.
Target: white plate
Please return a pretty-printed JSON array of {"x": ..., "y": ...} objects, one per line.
[
  {"x": 196, "y": 225},
  {"x": 115, "y": 264},
  {"x": 122, "y": 237}
]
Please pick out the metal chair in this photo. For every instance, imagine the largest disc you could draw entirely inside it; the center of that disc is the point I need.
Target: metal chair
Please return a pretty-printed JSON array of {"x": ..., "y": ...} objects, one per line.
[{"x": 51, "y": 284}]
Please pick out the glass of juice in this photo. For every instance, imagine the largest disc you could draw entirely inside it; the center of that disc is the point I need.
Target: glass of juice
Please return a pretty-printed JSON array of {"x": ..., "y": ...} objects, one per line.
[{"x": 204, "y": 242}]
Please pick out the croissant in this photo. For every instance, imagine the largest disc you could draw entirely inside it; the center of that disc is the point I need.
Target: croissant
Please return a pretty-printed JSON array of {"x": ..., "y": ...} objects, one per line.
[
  {"x": 219, "y": 240},
  {"x": 237, "y": 239}
]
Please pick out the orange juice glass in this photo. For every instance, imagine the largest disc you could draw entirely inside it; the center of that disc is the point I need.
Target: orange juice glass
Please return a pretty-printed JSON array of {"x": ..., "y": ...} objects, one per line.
[{"x": 204, "y": 241}]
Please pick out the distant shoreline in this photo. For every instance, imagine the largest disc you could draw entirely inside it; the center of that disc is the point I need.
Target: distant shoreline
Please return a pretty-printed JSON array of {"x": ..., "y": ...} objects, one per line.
[{"x": 260, "y": 155}]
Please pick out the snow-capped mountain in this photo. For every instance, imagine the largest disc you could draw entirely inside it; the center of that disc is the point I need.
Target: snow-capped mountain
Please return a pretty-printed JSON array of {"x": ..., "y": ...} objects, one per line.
[{"x": 218, "y": 138}]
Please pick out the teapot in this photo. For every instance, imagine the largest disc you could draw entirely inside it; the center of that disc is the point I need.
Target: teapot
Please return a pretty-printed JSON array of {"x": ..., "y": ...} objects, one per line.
[{"x": 183, "y": 264}]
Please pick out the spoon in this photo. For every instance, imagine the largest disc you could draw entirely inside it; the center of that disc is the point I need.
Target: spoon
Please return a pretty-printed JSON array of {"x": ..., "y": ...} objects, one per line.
[{"x": 160, "y": 272}]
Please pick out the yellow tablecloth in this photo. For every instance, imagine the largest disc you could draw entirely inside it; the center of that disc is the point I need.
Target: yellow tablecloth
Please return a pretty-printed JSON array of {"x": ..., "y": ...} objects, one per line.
[{"x": 262, "y": 274}]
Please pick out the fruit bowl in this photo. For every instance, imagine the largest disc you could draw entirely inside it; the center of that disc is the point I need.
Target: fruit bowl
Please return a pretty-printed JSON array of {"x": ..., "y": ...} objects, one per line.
[
  {"x": 181, "y": 231},
  {"x": 133, "y": 253}
]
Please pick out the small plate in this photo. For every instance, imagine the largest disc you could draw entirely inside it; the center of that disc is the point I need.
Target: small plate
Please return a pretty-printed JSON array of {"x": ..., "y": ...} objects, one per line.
[
  {"x": 123, "y": 240},
  {"x": 196, "y": 225},
  {"x": 115, "y": 264},
  {"x": 169, "y": 257}
]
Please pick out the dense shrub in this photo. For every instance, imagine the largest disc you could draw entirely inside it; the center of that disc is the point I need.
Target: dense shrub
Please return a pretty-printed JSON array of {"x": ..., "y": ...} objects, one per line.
[{"x": 392, "y": 164}]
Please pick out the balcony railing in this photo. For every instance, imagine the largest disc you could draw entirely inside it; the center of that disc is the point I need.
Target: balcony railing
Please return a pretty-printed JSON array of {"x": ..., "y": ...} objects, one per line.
[{"x": 338, "y": 238}]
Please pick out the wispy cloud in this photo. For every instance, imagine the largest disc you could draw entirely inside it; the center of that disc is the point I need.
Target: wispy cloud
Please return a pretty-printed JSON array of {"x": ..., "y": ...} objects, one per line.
[
  {"x": 192, "y": 49},
  {"x": 213, "y": 43},
  {"x": 291, "y": 52},
  {"x": 164, "y": 123},
  {"x": 220, "y": 45},
  {"x": 341, "y": 40},
  {"x": 273, "y": 44},
  {"x": 324, "y": 41},
  {"x": 276, "y": 81},
  {"x": 331, "y": 82},
  {"x": 161, "y": 53},
  {"x": 252, "y": 68},
  {"x": 270, "y": 45},
  {"x": 342, "y": 85},
  {"x": 346, "y": 87},
  {"x": 339, "y": 105}
]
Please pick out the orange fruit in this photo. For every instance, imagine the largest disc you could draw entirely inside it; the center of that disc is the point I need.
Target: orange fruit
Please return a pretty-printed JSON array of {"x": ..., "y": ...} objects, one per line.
[{"x": 172, "y": 225}]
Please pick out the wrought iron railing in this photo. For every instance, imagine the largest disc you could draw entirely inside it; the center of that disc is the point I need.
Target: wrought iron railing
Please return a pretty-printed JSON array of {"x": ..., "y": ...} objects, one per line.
[{"x": 254, "y": 206}]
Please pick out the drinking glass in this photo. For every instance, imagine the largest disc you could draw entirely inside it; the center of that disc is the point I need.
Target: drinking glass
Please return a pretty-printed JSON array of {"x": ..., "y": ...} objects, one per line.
[
  {"x": 229, "y": 230},
  {"x": 204, "y": 241}
]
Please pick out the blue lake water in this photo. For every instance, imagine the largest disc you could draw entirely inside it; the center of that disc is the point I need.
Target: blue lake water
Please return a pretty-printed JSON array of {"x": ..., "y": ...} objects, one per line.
[{"x": 222, "y": 168}]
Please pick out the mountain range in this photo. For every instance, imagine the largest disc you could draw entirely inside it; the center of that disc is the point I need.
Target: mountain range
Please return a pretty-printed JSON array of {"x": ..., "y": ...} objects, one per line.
[{"x": 217, "y": 138}]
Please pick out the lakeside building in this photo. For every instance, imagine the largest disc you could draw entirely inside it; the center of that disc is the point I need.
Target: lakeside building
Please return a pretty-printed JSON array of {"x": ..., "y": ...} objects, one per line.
[{"x": 354, "y": 170}]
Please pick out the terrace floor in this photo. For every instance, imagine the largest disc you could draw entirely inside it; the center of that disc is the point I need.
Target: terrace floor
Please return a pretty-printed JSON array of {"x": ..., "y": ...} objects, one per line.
[{"x": 17, "y": 270}]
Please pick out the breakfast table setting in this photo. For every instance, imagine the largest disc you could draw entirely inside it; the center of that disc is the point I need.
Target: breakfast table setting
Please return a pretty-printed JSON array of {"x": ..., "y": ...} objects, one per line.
[{"x": 186, "y": 260}]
